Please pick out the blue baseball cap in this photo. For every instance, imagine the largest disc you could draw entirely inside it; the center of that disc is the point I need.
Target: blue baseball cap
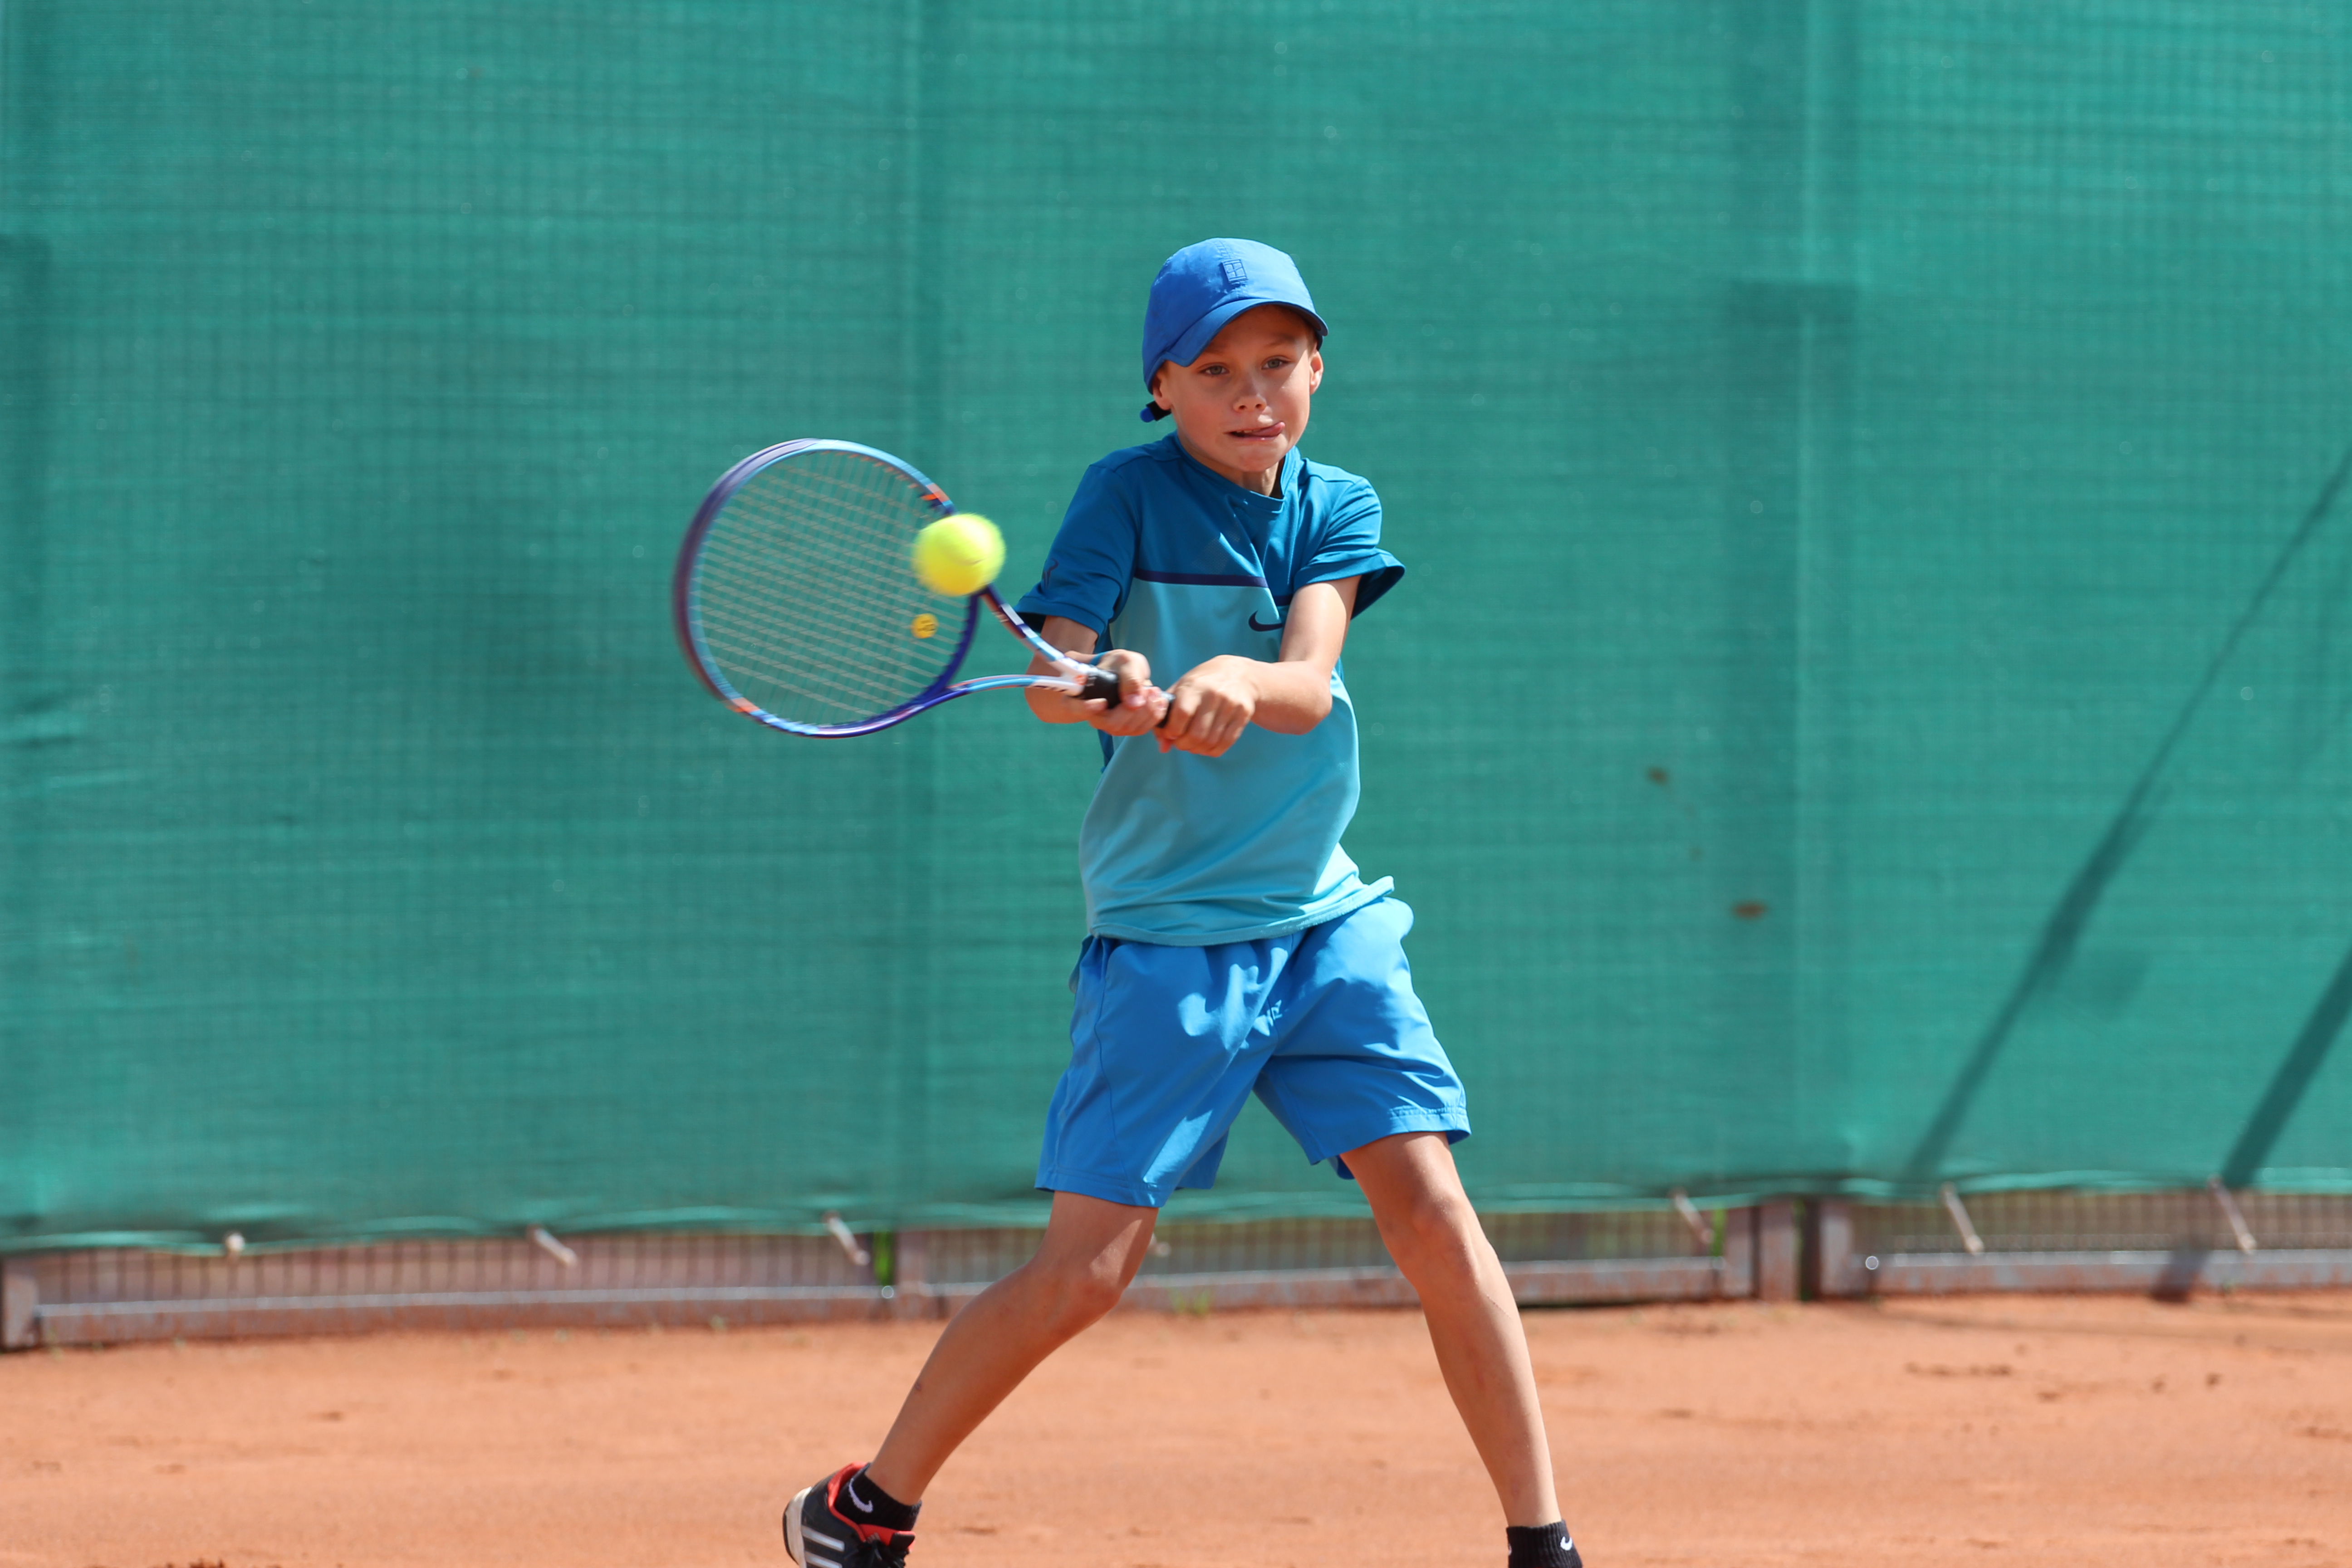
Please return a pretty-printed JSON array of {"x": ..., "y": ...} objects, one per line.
[{"x": 1203, "y": 287}]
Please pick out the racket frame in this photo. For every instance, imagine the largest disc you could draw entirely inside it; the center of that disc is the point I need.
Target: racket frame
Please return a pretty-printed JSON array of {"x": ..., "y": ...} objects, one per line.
[{"x": 686, "y": 622}]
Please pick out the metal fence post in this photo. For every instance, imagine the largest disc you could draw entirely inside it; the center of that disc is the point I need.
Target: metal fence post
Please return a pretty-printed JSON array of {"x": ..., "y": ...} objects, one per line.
[
  {"x": 1834, "y": 1268},
  {"x": 911, "y": 1279},
  {"x": 1776, "y": 1250},
  {"x": 20, "y": 1300}
]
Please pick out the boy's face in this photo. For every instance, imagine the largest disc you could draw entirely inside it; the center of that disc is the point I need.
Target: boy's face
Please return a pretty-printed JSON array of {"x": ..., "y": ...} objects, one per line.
[{"x": 1243, "y": 404}]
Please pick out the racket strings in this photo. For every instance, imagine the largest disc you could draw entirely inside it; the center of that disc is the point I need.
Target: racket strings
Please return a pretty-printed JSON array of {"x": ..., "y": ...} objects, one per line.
[
  {"x": 806, "y": 598},
  {"x": 765, "y": 624},
  {"x": 831, "y": 527},
  {"x": 845, "y": 675}
]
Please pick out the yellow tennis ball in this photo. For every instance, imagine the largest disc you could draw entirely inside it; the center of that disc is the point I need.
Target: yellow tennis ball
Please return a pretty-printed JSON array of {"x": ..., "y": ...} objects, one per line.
[{"x": 960, "y": 554}]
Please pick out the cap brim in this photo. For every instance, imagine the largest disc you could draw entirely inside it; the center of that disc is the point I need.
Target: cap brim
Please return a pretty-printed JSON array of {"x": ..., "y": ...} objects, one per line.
[{"x": 1196, "y": 337}]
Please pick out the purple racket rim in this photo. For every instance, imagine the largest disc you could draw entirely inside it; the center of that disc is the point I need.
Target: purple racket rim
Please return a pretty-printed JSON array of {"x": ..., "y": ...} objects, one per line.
[{"x": 685, "y": 618}]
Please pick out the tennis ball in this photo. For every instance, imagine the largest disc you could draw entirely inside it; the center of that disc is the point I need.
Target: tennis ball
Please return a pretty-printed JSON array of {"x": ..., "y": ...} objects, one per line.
[{"x": 960, "y": 554}]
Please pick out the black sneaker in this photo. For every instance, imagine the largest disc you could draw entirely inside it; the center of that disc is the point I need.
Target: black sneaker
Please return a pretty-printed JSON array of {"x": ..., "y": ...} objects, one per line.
[{"x": 818, "y": 1537}]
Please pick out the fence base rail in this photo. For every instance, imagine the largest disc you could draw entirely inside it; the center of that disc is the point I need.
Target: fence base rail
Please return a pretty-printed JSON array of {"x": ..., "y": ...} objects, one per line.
[
  {"x": 1861, "y": 1250},
  {"x": 1774, "y": 1251}
]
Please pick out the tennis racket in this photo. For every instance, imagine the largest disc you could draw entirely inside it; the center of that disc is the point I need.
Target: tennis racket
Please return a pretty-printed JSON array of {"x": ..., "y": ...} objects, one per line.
[{"x": 796, "y": 599}]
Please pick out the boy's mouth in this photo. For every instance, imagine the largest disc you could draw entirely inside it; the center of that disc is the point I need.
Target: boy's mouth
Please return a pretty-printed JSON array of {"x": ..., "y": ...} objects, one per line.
[{"x": 1258, "y": 433}]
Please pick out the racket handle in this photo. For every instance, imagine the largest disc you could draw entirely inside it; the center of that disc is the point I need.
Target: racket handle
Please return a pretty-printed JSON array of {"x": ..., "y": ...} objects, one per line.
[
  {"x": 1102, "y": 683},
  {"x": 1099, "y": 683}
]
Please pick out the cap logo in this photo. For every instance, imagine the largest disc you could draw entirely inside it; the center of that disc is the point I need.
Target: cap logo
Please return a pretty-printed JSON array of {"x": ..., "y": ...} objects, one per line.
[{"x": 1235, "y": 273}]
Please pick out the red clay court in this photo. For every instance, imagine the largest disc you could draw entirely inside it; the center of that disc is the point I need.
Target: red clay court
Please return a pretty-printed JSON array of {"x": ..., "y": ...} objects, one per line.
[{"x": 2088, "y": 1432}]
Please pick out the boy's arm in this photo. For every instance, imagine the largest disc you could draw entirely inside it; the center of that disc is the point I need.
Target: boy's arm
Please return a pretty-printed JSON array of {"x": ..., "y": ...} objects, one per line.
[
  {"x": 1209, "y": 709},
  {"x": 1140, "y": 703}
]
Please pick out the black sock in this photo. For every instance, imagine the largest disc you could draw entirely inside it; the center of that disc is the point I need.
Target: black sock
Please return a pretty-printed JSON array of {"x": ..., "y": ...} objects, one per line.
[
  {"x": 1542, "y": 1546},
  {"x": 863, "y": 1502}
]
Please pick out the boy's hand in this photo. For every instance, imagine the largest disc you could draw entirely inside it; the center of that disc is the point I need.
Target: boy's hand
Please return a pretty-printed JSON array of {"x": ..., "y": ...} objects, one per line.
[
  {"x": 1209, "y": 708},
  {"x": 1139, "y": 699},
  {"x": 1140, "y": 704}
]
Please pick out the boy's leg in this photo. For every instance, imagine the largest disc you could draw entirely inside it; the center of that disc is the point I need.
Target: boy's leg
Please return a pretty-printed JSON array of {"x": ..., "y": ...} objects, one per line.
[
  {"x": 1427, "y": 1222},
  {"x": 1092, "y": 1249}
]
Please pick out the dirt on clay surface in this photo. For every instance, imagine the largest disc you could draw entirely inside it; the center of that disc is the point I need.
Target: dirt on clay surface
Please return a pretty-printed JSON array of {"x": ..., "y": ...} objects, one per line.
[{"x": 1987, "y": 1431}]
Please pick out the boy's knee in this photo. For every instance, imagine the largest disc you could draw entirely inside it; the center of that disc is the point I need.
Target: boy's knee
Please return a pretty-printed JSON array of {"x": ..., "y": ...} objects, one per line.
[
  {"x": 1078, "y": 1295},
  {"x": 1435, "y": 1230}
]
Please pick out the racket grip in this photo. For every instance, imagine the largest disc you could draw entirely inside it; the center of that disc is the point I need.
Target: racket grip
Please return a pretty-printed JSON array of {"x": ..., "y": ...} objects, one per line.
[{"x": 1099, "y": 683}]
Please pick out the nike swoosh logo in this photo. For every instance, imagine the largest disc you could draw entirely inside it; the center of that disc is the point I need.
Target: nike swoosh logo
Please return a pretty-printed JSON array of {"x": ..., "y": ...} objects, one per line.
[
  {"x": 1255, "y": 627},
  {"x": 849, "y": 1490}
]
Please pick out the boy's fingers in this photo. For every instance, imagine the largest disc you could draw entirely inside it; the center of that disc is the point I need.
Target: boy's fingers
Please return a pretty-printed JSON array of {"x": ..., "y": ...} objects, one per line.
[
  {"x": 1203, "y": 736},
  {"x": 1196, "y": 723},
  {"x": 1129, "y": 715},
  {"x": 1181, "y": 706}
]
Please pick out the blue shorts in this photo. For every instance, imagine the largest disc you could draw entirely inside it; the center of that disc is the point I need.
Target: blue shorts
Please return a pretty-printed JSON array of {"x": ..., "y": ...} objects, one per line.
[{"x": 1168, "y": 1042}]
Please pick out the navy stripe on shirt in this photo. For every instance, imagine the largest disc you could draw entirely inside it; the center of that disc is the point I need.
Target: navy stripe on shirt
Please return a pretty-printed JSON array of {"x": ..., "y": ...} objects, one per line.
[{"x": 1200, "y": 579}]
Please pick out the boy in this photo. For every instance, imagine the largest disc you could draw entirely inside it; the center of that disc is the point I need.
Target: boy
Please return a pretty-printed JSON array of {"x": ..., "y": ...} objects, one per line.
[{"x": 1231, "y": 945}]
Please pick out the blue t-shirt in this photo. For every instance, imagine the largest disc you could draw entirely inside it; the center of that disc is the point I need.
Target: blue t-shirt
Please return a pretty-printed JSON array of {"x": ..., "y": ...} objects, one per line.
[{"x": 1162, "y": 555}]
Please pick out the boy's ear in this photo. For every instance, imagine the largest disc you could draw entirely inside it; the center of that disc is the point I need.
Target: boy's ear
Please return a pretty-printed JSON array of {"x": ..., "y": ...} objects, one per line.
[
  {"x": 1155, "y": 384},
  {"x": 1315, "y": 368}
]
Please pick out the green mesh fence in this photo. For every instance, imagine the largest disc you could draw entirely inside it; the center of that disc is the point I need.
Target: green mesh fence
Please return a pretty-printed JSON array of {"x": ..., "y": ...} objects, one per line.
[{"x": 1868, "y": 707}]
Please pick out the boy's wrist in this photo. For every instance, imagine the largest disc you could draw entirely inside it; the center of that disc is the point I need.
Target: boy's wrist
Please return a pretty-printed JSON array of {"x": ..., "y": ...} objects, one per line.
[{"x": 1250, "y": 670}]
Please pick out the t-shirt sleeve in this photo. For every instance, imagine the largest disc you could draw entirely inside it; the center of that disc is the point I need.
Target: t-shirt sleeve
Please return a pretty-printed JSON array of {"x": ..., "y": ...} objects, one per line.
[
  {"x": 1093, "y": 559},
  {"x": 1349, "y": 546}
]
